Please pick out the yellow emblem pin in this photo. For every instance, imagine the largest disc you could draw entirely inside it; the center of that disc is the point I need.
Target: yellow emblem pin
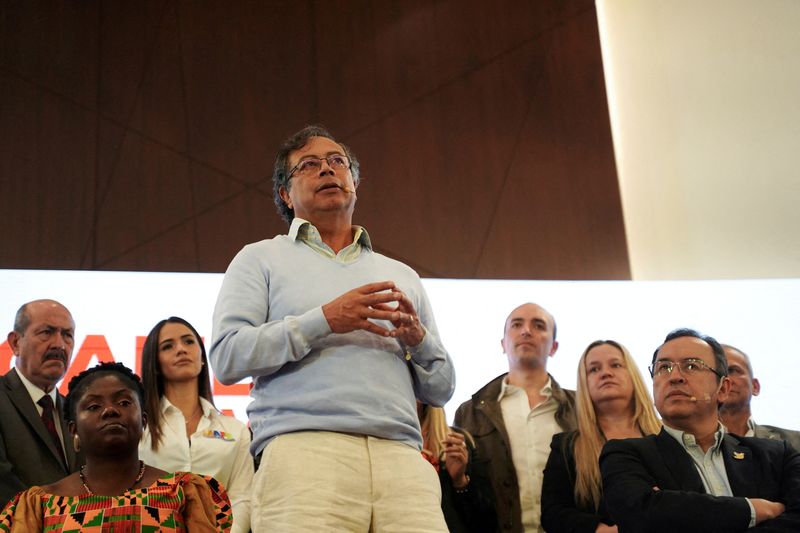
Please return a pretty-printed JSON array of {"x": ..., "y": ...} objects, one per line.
[{"x": 738, "y": 455}]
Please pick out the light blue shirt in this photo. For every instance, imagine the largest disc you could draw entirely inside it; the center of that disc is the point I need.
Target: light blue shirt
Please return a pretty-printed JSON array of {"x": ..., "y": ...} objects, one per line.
[
  {"x": 710, "y": 464},
  {"x": 268, "y": 323},
  {"x": 305, "y": 231}
]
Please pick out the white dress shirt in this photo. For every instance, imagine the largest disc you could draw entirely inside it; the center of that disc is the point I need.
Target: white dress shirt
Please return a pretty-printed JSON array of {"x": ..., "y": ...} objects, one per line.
[
  {"x": 218, "y": 448},
  {"x": 530, "y": 432}
]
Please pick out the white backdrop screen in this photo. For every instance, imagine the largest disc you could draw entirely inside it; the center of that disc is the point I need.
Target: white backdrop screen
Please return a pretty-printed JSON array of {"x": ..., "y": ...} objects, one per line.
[{"x": 114, "y": 311}]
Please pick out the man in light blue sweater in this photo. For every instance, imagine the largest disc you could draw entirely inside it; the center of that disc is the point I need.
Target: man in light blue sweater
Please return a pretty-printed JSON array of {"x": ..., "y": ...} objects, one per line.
[{"x": 340, "y": 342}]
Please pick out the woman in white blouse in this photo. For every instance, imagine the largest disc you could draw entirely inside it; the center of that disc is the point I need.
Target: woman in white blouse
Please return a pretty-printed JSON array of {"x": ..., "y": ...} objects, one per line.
[{"x": 185, "y": 432}]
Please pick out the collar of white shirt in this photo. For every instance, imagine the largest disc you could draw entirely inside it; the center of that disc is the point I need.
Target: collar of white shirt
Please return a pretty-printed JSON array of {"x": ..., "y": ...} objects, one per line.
[
  {"x": 507, "y": 389},
  {"x": 35, "y": 392},
  {"x": 209, "y": 411}
]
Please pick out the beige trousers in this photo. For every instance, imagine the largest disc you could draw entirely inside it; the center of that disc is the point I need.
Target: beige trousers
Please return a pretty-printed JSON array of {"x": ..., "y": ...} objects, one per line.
[{"x": 323, "y": 481}]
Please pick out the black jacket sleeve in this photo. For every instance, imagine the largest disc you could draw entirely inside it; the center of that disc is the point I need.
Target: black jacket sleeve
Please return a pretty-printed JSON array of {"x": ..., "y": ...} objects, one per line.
[
  {"x": 560, "y": 512},
  {"x": 644, "y": 494},
  {"x": 471, "y": 510}
]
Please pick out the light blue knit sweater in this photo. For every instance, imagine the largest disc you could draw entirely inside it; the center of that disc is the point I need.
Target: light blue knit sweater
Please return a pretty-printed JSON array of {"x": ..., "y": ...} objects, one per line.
[{"x": 268, "y": 324}]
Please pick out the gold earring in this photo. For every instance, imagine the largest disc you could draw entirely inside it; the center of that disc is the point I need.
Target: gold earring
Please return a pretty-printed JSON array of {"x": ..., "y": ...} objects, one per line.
[{"x": 76, "y": 443}]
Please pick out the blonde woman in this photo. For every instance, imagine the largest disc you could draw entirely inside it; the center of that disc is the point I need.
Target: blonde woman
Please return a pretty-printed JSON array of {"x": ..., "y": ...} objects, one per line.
[
  {"x": 467, "y": 496},
  {"x": 611, "y": 402}
]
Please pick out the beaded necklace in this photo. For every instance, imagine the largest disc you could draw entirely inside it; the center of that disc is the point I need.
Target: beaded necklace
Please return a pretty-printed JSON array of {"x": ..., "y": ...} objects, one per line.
[{"x": 139, "y": 477}]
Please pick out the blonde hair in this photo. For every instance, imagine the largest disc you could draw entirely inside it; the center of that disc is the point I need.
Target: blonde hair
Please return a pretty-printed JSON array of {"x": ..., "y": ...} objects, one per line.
[
  {"x": 433, "y": 424},
  {"x": 589, "y": 438}
]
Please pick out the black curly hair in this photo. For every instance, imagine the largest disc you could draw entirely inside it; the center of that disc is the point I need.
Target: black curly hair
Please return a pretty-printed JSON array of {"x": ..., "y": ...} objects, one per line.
[{"x": 78, "y": 385}]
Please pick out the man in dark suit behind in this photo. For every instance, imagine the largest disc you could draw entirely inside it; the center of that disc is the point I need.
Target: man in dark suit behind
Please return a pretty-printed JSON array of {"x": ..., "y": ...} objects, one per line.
[
  {"x": 735, "y": 412},
  {"x": 30, "y": 453},
  {"x": 693, "y": 477}
]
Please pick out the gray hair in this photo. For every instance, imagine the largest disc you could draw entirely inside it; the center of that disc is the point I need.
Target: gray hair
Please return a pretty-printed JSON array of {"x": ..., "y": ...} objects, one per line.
[
  {"x": 280, "y": 172},
  {"x": 744, "y": 355},
  {"x": 22, "y": 319}
]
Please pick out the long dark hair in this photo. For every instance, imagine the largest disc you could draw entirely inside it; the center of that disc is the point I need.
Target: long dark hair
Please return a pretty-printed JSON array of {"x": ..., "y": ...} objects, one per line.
[{"x": 153, "y": 379}]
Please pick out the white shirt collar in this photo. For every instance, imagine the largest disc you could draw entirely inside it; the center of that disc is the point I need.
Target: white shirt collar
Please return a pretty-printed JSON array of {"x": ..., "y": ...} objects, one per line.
[
  {"x": 209, "y": 411},
  {"x": 35, "y": 392},
  {"x": 507, "y": 389}
]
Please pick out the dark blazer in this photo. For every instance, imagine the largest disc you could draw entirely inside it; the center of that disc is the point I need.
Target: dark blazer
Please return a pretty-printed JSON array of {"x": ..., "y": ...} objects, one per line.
[
  {"x": 27, "y": 453},
  {"x": 560, "y": 512},
  {"x": 470, "y": 511},
  {"x": 756, "y": 468},
  {"x": 482, "y": 416}
]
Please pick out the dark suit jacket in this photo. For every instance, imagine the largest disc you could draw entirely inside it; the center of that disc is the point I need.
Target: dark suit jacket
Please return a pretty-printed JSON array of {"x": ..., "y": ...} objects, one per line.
[
  {"x": 772, "y": 432},
  {"x": 560, "y": 512},
  {"x": 27, "y": 453},
  {"x": 470, "y": 511},
  {"x": 482, "y": 416},
  {"x": 756, "y": 468}
]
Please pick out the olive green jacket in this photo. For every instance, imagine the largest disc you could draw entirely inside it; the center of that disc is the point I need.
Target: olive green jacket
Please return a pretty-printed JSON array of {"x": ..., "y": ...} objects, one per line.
[{"x": 483, "y": 418}]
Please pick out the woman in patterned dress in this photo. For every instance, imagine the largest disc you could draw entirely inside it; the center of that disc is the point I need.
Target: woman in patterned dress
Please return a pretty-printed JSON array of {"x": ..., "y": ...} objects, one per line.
[{"x": 114, "y": 491}]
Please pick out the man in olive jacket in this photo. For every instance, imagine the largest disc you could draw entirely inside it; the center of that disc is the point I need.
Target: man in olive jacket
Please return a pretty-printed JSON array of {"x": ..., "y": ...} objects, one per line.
[{"x": 514, "y": 417}]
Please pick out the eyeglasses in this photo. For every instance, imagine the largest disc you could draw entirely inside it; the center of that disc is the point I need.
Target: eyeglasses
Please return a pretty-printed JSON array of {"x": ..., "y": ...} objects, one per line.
[
  {"x": 311, "y": 165},
  {"x": 688, "y": 367}
]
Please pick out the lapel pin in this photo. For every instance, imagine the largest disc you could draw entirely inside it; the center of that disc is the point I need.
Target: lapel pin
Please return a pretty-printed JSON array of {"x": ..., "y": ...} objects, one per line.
[
  {"x": 738, "y": 455},
  {"x": 222, "y": 435}
]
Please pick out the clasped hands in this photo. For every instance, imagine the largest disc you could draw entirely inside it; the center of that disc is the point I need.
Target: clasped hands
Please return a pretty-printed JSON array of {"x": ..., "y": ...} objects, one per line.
[{"x": 356, "y": 309}]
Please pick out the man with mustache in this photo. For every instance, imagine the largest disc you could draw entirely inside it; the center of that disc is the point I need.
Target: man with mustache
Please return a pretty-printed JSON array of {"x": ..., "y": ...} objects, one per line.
[
  {"x": 735, "y": 413},
  {"x": 35, "y": 448},
  {"x": 694, "y": 476},
  {"x": 340, "y": 342},
  {"x": 514, "y": 417}
]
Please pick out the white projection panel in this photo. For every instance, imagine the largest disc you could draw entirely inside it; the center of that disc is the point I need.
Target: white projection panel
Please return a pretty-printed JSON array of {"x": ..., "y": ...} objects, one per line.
[
  {"x": 705, "y": 116},
  {"x": 113, "y": 311}
]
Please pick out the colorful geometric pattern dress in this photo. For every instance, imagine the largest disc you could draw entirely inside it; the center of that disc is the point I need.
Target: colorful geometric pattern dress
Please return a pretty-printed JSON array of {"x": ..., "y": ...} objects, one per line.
[{"x": 179, "y": 502}]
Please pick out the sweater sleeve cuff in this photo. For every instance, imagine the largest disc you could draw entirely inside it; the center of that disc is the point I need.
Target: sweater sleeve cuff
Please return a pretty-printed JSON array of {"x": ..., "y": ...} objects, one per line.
[
  {"x": 312, "y": 326},
  {"x": 419, "y": 352}
]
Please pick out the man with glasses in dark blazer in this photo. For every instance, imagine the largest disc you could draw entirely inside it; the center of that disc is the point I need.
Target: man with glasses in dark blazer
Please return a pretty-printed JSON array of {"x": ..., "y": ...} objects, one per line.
[{"x": 694, "y": 476}]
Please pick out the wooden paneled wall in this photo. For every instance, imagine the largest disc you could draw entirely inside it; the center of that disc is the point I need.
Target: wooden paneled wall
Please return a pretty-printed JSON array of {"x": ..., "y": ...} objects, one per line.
[{"x": 141, "y": 135}]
